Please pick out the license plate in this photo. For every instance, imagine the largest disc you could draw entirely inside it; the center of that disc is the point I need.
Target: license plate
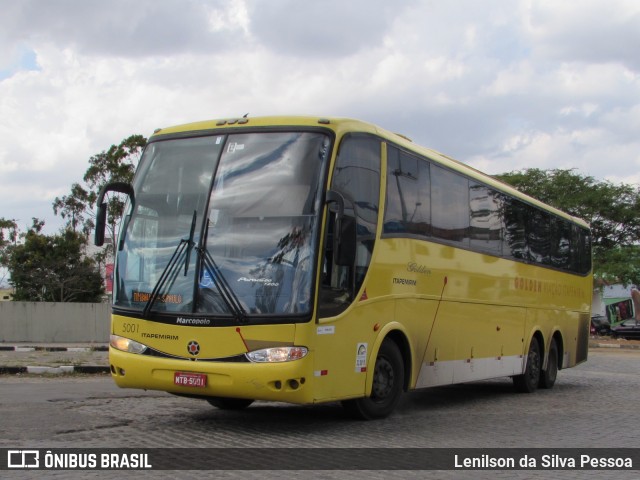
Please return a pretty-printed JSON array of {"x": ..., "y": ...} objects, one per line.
[{"x": 187, "y": 379}]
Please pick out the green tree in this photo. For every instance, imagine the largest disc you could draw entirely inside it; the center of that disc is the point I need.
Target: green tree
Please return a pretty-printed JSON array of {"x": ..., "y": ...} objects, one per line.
[
  {"x": 8, "y": 239},
  {"x": 613, "y": 212},
  {"x": 117, "y": 164},
  {"x": 73, "y": 208},
  {"x": 622, "y": 265},
  {"x": 8, "y": 236},
  {"x": 53, "y": 268}
]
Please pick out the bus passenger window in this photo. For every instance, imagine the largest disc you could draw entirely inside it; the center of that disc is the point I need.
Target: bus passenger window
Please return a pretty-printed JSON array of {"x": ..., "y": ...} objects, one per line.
[
  {"x": 450, "y": 206},
  {"x": 408, "y": 209}
]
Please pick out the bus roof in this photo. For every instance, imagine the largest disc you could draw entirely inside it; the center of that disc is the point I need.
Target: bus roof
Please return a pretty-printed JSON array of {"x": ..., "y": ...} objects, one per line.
[{"x": 345, "y": 125}]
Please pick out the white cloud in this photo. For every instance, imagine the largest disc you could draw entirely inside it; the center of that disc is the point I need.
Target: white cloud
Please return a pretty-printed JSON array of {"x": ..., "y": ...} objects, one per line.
[
  {"x": 502, "y": 85},
  {"x": 331, "y": 28},
  {"x": 587, "y": 31}
]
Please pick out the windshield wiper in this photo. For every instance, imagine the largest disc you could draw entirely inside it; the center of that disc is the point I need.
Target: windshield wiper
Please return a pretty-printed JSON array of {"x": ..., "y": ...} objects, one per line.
[
  {"x": 225, "y": 291},
  {"x": 190, "y": 244},
  {"x": 182, "y": 250}
]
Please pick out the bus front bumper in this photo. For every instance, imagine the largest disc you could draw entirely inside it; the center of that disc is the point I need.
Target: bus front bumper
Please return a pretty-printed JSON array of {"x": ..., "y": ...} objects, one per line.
[{"x": 281, "y": 382}]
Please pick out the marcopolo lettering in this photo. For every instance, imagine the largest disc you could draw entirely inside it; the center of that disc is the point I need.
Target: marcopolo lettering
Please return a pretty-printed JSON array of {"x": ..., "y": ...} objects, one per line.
[{"x": 193, "y": 321}]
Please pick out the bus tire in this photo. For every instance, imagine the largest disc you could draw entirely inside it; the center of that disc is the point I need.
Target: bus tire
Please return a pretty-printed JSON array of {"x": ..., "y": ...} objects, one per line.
[
  {"x": 226, "y": 403},
  {"x": 387, "y": 388},
  {"x": 548, "y": 376},
  {"x": 529, "y": 380}
]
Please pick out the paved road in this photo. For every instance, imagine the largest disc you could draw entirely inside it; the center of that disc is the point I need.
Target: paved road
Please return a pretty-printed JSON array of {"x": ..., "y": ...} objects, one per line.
[{"x": 592, "y": 405}]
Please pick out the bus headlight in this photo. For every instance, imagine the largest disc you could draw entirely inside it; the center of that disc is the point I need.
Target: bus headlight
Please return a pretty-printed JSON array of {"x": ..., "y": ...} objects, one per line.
[
  {"x": 126, "y": 344},
  {"x": 277, "y": 354}
]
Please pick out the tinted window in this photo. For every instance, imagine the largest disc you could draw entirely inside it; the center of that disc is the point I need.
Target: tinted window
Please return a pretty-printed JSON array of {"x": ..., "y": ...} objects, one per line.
[
  {"x": 514, "y": 244},
  {"x": 561, "y": 233},
  {"x": 357, "y": 177},
  {"x": 538, "y": 231},
  {"x": 485, "y": 206},
  {"x": 408, "y": 196},
  {"x": 427, "y": 200},
  {"x": 581, "y": 250},
  {"x": 449, "y": 206}
]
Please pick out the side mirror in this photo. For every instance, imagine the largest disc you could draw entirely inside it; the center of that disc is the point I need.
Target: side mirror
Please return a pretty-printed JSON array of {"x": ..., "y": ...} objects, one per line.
[
  {"x": 101, "y": 215},
  {"x": 101, "y": 221}
]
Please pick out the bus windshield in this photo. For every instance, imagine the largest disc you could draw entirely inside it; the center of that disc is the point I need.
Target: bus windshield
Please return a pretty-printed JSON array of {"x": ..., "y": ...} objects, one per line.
[{"x": 224, "y": 225}]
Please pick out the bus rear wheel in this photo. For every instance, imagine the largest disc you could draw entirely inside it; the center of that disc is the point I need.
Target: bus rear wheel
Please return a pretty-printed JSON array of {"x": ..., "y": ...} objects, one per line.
[
  {"x": 529, "y": 380},
  {"x": 225, "y": 403},
  {"x": 548, "y": 376},
  {"x": 388, "y": 384}
]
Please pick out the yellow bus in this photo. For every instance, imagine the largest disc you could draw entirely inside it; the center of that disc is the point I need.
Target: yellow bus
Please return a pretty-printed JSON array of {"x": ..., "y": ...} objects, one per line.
[{"x": 310, "y": 260}]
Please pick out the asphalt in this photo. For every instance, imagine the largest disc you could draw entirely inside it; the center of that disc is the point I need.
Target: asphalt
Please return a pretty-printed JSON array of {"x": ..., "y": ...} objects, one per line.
[{"x": 56, "y": 359}]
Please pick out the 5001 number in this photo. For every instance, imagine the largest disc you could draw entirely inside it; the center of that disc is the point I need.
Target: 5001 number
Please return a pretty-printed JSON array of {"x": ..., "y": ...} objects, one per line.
[{"x": 130, "y": 328}]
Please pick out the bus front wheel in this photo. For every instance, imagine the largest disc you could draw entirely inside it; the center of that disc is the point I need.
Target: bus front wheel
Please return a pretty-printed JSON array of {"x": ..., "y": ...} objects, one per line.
[
  {"x": 388, "y": 381},
  {"x": 529, "y": 380}
]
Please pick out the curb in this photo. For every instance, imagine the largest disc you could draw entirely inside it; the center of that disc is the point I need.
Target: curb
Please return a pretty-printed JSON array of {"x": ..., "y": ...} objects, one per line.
[
  {"x": 20, "y": 348},
  {"x": 614, "y": 345},
  {"x": 90, "y": 369},
  {"x": 58, "y": 370}
]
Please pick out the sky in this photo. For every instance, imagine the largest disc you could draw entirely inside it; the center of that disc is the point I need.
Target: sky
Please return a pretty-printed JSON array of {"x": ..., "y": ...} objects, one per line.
[{"x": 501, "y": 85}]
